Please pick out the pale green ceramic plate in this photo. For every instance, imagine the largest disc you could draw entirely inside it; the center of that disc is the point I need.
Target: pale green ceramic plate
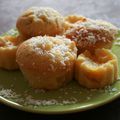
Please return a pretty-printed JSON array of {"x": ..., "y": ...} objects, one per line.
[{"x": 15, "y": 92}]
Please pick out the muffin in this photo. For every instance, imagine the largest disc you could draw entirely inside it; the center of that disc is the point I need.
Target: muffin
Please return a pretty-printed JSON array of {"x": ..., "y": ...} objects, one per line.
[
  {"x": 92, "y": 34},
  {"x": 75, "y": 19},
  {"x": 8, "y": 48},
  {"x": 72, "y": 20},
  {"x": 47, "y": 62},
  {"x": 40, "y": 21},
  {"x": 96, "y": 70}
]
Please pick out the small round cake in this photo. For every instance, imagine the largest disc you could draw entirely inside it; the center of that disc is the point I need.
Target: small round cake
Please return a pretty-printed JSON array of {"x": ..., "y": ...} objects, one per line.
[
  {"x": 72, "y": 20},
  {"x": 8, "y": 48},
  {"x": 40, "y": 21},
  {"x": 92, "y": 34},
  {"x": 96, "y": 70},
  {"x": 47, "y": 62}
]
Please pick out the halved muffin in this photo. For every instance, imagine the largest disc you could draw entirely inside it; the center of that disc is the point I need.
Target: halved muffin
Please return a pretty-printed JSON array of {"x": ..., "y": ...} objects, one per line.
[
  {"x": 8, "y": 48},
  {"x": 72, "y": 20},
  {"x": 96, "y": 70}
]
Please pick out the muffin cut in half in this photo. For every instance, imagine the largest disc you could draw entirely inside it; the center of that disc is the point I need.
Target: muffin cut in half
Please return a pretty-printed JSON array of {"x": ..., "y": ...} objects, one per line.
[
  {"x": 8, "y": 48},
  {"x": 47, "y": 62},
  {"x": 75, "y": 19},
  {"x": 72, "y": 20},
  {"x": 96, "y": 70}
]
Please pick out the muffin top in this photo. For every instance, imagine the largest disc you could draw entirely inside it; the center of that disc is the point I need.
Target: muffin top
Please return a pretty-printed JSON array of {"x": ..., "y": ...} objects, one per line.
[
  {"x": 40, "y": 21},
  {"x": 40, "y": 51},
  {"x": 92, "y": 30},
  {"x": 40, "y": 11},
  {"x": 9, "y": 42},
  {"x": 92, "y": 34}
]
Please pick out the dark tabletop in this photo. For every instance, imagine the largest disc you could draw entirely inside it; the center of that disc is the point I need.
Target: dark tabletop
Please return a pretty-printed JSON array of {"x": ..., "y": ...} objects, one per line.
[
  {"x": 101, "y": 9},
  {"x": 110, "y": 111}
]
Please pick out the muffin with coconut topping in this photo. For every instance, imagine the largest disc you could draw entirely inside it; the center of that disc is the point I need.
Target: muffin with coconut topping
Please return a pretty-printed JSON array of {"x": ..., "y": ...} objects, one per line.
[
  {"x": 37, "y": 21},
  {"x": 47, "y": 62},
  {"x": 92, "y": 34}
]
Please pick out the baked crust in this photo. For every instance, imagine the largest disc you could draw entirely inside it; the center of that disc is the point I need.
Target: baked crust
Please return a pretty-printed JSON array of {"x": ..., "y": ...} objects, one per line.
[
  {"x": 37, "y": 21},
  {"x": 47, "y": 62},
  {"x": 96, "y": 70}
]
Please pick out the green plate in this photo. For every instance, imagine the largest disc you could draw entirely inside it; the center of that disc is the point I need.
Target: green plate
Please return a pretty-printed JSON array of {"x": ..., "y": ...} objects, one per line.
[{"x": 15, "y": 92}]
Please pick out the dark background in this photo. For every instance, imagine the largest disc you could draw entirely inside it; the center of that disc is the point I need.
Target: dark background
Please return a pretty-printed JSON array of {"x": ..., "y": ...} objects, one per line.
[
  {"x": 109, "y": 111},
  {"x": 101, "y": 9}
]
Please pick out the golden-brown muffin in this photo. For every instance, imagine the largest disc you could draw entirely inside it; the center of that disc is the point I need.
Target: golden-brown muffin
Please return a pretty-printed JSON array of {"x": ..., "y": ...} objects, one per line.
[
  {"x": 96, "y": 70},
  {"x": 75, "y": 18},
  {"x": 8, "y": 47},
  {"x": 92, "y": 34},
  {"x": 47, "y": 62},
  {"x": 37, "y": 21},
  {"x": 72, "y": 20}
]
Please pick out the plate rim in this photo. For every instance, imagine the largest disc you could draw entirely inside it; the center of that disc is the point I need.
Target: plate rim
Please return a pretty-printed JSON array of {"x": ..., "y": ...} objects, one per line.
[{"x": 17, "y": 106}]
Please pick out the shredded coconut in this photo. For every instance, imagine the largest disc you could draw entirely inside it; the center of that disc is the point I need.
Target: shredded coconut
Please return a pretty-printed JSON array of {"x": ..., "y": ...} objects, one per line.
[
  {"x": 82, "y": 32},
  {"x": 8, "y": 93},
  {"x": 29, "y": 100}
]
